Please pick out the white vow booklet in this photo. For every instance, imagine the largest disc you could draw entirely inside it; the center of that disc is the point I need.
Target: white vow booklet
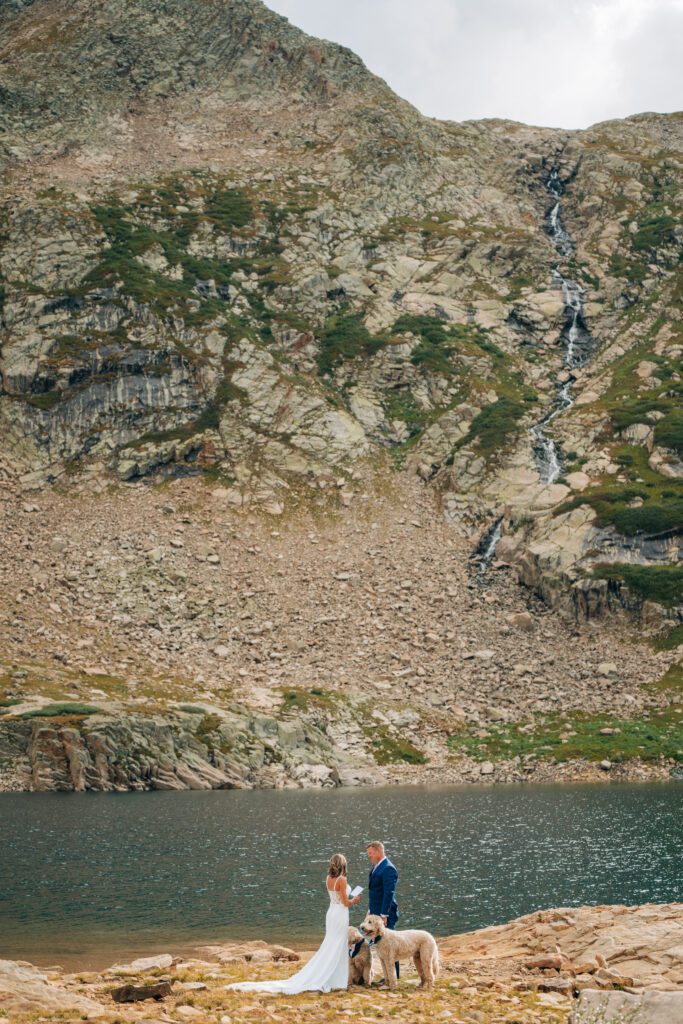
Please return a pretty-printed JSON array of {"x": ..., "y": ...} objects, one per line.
[{"x": 355, "y": 892}]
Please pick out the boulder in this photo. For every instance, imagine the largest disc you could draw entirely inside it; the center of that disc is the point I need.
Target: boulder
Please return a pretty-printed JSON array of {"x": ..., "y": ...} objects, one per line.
[
  {"x": 24, "y": 989},
  {"x": 139, "y": 993},
  {"x": 578, "y": 481},
  {"x": 149, "y": 963},
  {"x": 520, "y": 620},
  {"x": 619, "y": 1007}
]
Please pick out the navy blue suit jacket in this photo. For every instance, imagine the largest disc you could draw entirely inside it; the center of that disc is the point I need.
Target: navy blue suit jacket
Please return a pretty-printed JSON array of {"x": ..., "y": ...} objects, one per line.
[{"x": 382, "y": 892}]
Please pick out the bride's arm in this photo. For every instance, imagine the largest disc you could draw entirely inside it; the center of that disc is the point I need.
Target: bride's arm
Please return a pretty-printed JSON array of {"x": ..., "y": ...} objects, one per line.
[{"x": 341, "y": 885}]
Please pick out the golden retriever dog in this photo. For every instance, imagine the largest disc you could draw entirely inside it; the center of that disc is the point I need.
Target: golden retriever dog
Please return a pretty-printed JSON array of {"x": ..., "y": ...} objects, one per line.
[
  {"x": 360, "y": 960},
  {"x": 392, "y": 946}
]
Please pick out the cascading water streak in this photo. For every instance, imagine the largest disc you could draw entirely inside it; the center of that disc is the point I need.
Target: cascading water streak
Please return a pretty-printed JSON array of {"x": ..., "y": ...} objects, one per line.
[
  {"x": 577, "y": 349},
  {"x": 576, "y": 338},
  {"x": 486, "y": 549}
]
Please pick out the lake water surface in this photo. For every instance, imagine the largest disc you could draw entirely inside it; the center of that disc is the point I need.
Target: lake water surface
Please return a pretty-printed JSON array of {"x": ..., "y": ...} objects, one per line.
[{"x": 86, "y": 879}]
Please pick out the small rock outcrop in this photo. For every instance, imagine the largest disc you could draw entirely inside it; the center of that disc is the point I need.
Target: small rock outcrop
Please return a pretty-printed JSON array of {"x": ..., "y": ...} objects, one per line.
[
  {"x": 26, "y": 990},
  {"x": 622, "y": 1007},
  {"x": 217, "y": 750},
  {"x": 608, "y": 945}
]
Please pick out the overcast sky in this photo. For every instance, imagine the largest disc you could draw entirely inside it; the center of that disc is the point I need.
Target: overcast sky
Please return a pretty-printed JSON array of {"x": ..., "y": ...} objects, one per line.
[{"x": 559, "y": 63}]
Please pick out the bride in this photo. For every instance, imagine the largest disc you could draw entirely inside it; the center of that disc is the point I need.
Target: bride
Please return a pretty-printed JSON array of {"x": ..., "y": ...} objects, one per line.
[{"x": 329, "y": 967}]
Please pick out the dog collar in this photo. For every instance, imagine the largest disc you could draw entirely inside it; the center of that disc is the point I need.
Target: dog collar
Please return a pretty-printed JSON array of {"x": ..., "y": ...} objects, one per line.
[
  {"x": 375, "y": 941},
  {"x": 353, "y": 953}
]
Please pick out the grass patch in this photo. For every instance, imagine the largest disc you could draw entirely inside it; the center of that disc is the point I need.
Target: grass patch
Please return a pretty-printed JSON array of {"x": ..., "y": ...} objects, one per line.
[
  {"x": 228, "y": 209},
  {"x": 402, "y": 405},
  {"x": 654, "y": 232},
  {"x": 671, "y": 682},
  {"x": 63, "y": 710},
  {"x": 660, "y": 583},
  {"x": 662, "y": 499},
  {"x": 45, "y": 401},
  {"x": 440, "y": 340},
  {"x": 343, "y": 337},
  {"x": 578, "y": 736},
  {"x": 299, "y": 699},
  {"x": 669, "y": 641},
  {"x": 669, "y": 432},
  {"x": 493, "y": 426},
  {"x": 388, "y": 749},
  {"x": 611, "y": 505}
]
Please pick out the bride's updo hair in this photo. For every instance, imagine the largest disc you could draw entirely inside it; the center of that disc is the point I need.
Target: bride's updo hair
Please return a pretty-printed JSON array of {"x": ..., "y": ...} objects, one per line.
[{"x": 338, "y": 866}]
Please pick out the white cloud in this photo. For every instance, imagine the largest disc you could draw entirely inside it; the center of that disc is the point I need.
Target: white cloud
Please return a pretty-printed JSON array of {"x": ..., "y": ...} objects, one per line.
[{"x": 565, "y": 63}]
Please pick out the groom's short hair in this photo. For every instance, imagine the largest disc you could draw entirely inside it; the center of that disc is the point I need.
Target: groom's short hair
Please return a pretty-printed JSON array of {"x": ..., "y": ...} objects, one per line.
[{"x": 375, "y": 845}]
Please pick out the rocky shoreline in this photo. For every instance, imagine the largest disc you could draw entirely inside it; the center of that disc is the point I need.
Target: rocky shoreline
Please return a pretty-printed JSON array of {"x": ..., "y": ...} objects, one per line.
[
  {"x": 546, "y": 968},
  {"x": 200, "y": 749}
]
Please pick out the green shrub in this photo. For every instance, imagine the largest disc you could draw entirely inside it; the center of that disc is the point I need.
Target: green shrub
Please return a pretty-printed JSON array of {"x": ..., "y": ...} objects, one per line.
[
  {"x": 650, "y": 518},
  {"x": 494, "y": 425},
  {"x": 633, "y": 271},
  {"x": 655, "y": 232},
  {"x": 439, "y": 340},
  {"x": 429, "y": 328},
  {"x": 669, "y": 432},
  {"x": 343, "y": 337},
  {"x": 46, "y": 401},
  {"x": 660, "y": 583},
  {"x": 402, "y": 405},
  {"x": 662, "y": 508},
  {"x": 228, "y": 209},
  {"x": 635, "y": 410}
]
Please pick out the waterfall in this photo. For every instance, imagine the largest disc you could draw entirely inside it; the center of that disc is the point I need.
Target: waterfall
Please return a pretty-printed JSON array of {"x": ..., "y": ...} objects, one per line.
[
  {"x": 577, "y": 340},
  {"x": 577, "y": 343},
  {"x": 486, "y": 548}
]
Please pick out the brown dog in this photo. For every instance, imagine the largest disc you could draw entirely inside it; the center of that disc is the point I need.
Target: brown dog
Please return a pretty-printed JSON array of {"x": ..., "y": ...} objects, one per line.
[
  {"x": 391, "y": 946},
  {"x": 360, "y": 960}
]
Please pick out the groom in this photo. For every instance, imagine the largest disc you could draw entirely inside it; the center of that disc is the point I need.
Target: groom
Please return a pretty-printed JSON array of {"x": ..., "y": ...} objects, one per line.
[{"x": 382, "y": 887}]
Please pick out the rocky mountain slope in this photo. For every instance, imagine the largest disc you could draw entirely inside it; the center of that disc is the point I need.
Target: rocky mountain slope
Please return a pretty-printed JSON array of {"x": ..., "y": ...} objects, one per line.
[{"x": 232, "y": 262}]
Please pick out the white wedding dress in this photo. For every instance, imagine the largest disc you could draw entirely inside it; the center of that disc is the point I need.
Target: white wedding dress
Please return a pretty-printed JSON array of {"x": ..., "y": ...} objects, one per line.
[{"x": 326, "y": 970}]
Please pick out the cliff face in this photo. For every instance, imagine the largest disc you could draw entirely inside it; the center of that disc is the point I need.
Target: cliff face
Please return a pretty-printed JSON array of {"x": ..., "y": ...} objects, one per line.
[
  {"x": 191, "y": 748},
  {"x": 228, "y": 252}
]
